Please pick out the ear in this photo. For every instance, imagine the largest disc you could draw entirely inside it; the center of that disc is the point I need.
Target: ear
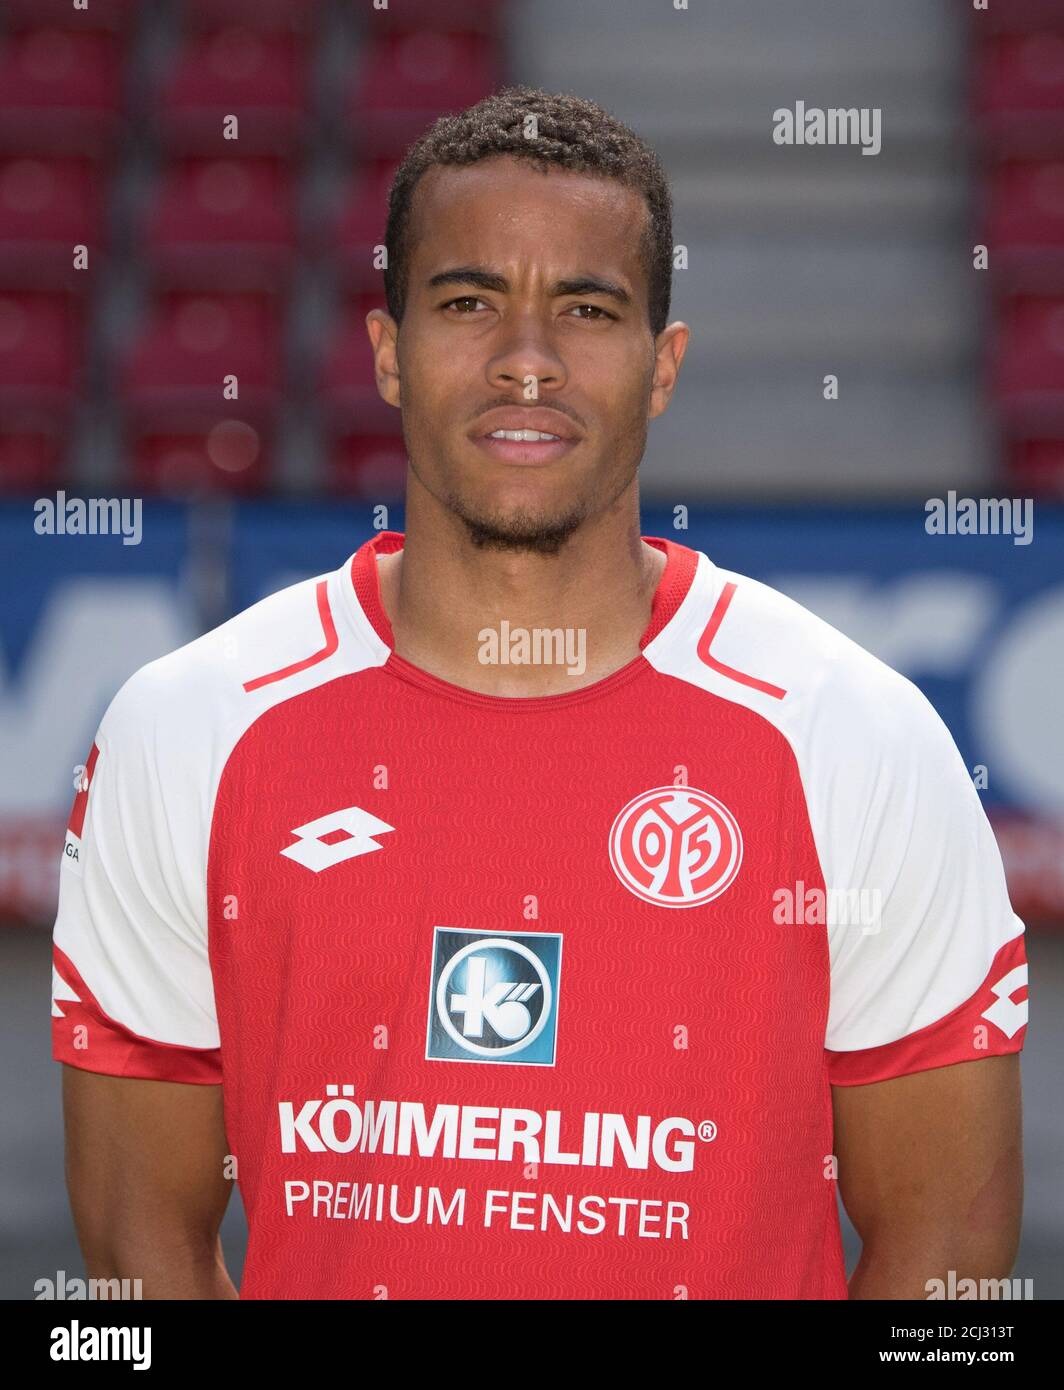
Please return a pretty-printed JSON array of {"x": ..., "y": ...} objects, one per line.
[
  {"x": 384, "y": 337},
  {"x": 669, "y": 348}
]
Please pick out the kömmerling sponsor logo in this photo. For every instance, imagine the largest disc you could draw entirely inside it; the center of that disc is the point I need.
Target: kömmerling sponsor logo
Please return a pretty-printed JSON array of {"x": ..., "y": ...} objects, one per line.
[
  {"x": 837, "y": 125},
  {"x": 89, "y": 516},
  {"x": 983, "y": 516},
  {"x": 599, "y": 1140}
]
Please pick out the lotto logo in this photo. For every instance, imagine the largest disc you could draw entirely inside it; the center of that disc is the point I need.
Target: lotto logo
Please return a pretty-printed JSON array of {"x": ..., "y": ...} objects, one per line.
[
  {"x": 335, "y": 838},
  {"x": 676, "y": 847},
  {"x": 1005, "y": 1013},
  {"x": 494, "y": 997}
]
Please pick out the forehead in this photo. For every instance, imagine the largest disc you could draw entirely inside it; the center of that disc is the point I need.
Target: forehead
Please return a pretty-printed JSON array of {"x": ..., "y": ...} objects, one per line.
[{"x": 504, "y": 210}]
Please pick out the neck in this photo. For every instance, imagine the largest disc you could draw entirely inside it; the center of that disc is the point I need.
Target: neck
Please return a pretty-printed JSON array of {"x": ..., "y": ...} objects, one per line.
[{"x": 471, "y": 616}]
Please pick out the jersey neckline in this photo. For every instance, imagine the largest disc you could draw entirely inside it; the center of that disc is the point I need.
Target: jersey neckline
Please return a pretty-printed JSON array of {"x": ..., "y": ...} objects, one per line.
[{"x": 676, "y": 578}]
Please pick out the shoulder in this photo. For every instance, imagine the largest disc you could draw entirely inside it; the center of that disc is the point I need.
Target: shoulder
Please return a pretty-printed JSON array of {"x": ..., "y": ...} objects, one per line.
[
  {"x": 200, "y": 698},
  {"x": 749, "y": 643}
]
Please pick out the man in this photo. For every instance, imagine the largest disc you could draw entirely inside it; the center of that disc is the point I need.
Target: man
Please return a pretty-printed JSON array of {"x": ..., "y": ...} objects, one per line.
[{"x": 490, "y": 977}]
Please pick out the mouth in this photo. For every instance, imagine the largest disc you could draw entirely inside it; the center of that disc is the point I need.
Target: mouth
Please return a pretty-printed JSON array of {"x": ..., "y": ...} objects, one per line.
[
  {"x": 511, "y": 441},
  {"x": 524, "y": 446}
]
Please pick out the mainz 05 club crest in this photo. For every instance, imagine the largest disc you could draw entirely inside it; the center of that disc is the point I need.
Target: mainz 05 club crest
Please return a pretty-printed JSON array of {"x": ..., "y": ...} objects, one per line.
[{"x": 676, "y": 847}]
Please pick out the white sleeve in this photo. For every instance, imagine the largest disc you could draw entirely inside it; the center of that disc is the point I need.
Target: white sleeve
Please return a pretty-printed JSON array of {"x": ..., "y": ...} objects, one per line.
[
  {"x": 927, "y": 956},
  {"x": 132, "y": 987}
]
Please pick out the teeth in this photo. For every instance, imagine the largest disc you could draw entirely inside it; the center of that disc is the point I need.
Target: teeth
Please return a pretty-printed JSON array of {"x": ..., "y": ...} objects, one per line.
[{"x": 522, "y": 436}]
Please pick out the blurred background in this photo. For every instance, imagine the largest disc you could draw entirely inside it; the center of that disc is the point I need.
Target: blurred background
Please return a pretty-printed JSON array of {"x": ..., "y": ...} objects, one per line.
[{"x": 928, "y": 279}]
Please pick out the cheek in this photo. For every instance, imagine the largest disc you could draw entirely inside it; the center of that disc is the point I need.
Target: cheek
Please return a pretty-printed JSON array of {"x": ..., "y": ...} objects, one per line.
[
  {"x": 622, "y": 393},
  {"x": 437, "y": 371}
]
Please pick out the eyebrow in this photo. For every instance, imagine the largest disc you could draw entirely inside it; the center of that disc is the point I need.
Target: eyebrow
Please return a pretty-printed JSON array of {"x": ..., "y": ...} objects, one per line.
[{"x": 488, "y": 280}]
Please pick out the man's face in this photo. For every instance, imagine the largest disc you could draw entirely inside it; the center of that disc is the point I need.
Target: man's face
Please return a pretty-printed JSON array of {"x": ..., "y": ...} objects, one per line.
[{"x": 526, "y": 308}]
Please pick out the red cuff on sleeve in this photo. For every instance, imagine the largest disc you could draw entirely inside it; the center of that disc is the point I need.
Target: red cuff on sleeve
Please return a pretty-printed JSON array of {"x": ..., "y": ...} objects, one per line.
[
  {"x": 83, "y": 1036},
  {"x": 989, "y": 1024}
]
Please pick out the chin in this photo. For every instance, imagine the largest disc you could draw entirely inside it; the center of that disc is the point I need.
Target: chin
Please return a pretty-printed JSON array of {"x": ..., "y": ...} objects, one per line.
[{"x": 520, "y": 531}]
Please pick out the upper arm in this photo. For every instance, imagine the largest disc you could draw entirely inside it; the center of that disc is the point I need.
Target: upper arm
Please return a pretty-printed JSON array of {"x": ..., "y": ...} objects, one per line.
[
  {"x": 938, "y": 974},
  {"x": 932, "y": 1162},
  {"x": 133, "y": 1014},
  {"x": 145, "y": 1166},
  {"x": 928, "y": 1000}
]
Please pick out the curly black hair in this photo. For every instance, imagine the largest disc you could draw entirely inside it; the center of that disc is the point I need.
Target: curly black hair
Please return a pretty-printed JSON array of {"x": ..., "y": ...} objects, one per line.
[{"x": 571, "y": 133}]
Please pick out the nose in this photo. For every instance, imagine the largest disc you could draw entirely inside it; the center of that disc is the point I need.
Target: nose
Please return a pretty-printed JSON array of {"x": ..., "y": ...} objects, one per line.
[{"x": 527, "y": 359}]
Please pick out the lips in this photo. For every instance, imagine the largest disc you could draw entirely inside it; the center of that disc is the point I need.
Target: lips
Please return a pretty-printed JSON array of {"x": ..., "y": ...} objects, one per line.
[
  {"x": 539, "y": 418},
  {"x": 514, "y": 434}
]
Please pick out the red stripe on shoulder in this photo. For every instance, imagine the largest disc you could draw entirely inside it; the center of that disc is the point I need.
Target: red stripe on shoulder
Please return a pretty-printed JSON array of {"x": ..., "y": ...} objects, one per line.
[
  {"x": 81, "y": 801},
  {"x": 705, "y": 642},
  {"x": 332, "y": 641}
]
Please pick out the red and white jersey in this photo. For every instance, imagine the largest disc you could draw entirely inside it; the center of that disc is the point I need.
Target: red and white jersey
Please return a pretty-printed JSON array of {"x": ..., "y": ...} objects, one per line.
[{"x": 532, "y": 998}]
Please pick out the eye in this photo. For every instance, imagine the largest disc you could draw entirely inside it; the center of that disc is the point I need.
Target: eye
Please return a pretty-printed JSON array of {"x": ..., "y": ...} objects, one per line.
[
  {"x": 596, "y": 312},
  {"x": 465, "y": 299}
]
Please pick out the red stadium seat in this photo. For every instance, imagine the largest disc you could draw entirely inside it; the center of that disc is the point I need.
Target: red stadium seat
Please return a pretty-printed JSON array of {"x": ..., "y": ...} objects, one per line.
[
  {"x": 41, "y": 350},
  {"x": 47, "y": 207},
  {"x": 114, "y": 16},
  {"x": 1029, "y": 364},
  {"x": 1019, "y": 93},
  {"x": 32, "y": 445},
  {"x": 1016, "y": 17},
  {"x": 345, "y": 388},
  {"x": 201, "y": 454},
  {"x": 259, "y": 78},
  {"x": 409, "y": 79},
  {"x": 1037, "y": 465},
  {"x": 1027, "y": 205},
  {"x": 254, "y": 14},
  {"x": 456, "y": 16},
  {"x": 357, "y": 226},
  {"x": 224, "y": 224},
  {"x": 190, "y": 344},
  {"x": 59, "y": 92},
  {"x": 366, "y": 466}
]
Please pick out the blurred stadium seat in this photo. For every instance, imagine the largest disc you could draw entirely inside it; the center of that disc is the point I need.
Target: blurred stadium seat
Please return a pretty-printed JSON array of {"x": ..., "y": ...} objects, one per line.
[
  {"x": 60, "y": 92},
  {"x": 464, "y": 16},
  {"x": 47, "y": 207},
  {"x": 1019, "y": 92},
  {"x": 408, "y": 79},
  {"x": 201, "y": 452},
  {"x": 1025, "y": 224},
  {"x": 189, "y": 344},
  {"x": 301, "y": 15},
  {"x": 101, "y": 15},
  {"x": 181, "y": 431},
  {"x": 361, "y": 465},
  {"x": 262, "y": 78},
  {"x": 224, "y": 224},
  {"x": 356, "y": 225},
  {"x": 1029, "y": 368},
  {"x": 32, "y": 444},
  {"x": 41, "y": 348}
]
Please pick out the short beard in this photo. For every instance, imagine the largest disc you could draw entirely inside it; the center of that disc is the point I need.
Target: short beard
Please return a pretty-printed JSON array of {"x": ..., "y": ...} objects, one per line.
[{"x": 519, "y": 533}]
